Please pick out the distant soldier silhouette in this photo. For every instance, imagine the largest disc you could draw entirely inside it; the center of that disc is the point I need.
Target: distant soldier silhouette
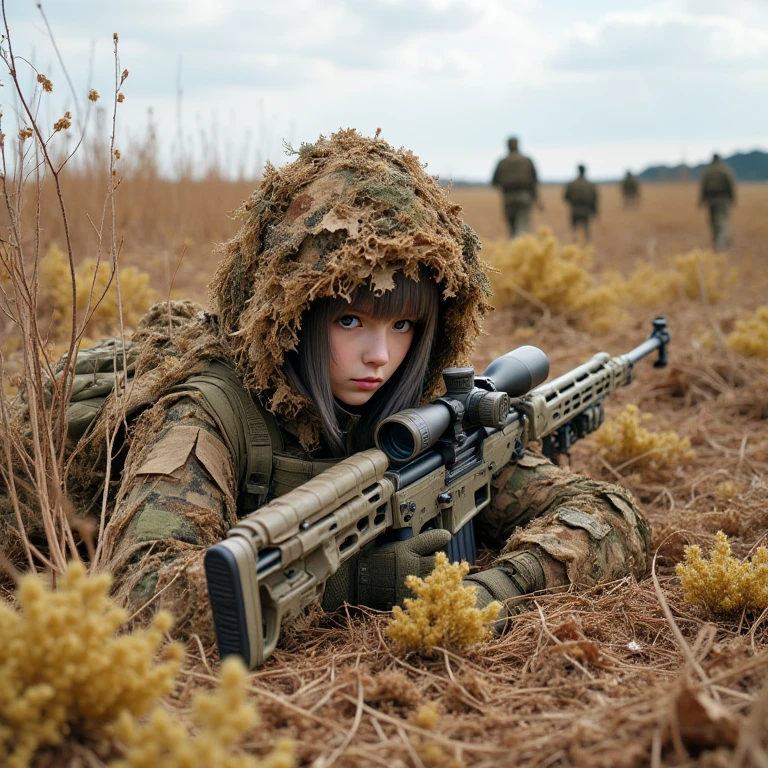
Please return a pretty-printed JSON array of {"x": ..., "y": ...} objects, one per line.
[
  {"x": 516, "y": 176},
  {"x": 630, "y": 189},
  {"x": 582, "y": 196},
  {"x": 718, "y": 192}
]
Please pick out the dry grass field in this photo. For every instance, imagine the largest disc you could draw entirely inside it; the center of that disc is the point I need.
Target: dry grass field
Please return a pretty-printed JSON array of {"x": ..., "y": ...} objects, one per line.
[{"x": 627, "y": 674}]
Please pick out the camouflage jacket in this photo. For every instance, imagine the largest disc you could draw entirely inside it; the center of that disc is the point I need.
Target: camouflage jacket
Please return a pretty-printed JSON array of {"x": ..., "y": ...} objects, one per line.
[
  {"x": 582, "y": 196},
  {"x": 516, "y": 173},
  {"x": 178, "y": 493},
  {"x": 717, "y": 183}
]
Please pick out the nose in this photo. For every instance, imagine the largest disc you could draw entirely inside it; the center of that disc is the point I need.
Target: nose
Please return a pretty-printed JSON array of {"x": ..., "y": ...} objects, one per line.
[{"x": 376, "y": 350}]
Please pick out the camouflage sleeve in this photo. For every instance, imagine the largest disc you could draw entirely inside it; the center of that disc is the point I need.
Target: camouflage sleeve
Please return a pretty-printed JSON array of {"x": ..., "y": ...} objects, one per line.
[
  {"x": 495, "y": 179},
  {"x": 177, "y": 497},
  {"x": 555, "y": 527}
]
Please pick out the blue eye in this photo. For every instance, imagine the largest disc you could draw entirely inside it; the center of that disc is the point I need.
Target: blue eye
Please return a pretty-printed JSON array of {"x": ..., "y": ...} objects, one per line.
[
  {"x": 403, "y": 326},
  {"x": 348, "y": 321}
]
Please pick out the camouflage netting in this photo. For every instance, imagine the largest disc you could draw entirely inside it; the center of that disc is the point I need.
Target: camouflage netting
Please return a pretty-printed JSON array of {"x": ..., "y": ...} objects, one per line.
[{"x": 348, "y": 211}]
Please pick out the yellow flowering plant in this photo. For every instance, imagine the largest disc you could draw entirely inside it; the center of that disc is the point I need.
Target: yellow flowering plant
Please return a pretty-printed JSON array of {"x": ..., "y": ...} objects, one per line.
[
  {"x": 723, "y": 584},
  {"x": 751, "y": 335},
  {"x": 222, "y": 719},
  {"x": 624, "y": 439},
  {"x": 443, "y": 612},
  {"x": 64, "y": 670}
]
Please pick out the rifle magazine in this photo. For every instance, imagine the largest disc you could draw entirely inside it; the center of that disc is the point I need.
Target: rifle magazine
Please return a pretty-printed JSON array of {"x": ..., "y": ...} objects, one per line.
[{"x": 462, "y": 545}]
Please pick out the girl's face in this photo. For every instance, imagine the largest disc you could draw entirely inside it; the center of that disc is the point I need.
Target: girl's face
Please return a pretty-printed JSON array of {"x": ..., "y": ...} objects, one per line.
[{"x": 365, "y": 353}]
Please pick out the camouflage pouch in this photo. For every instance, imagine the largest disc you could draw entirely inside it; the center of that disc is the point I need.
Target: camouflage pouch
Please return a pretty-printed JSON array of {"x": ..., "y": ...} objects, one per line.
[{"x": 98, "y": 370}]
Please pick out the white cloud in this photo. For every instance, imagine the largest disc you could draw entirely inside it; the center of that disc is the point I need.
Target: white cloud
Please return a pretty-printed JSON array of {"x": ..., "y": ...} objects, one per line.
[
  {"x": 448, "y": 78},
  {"x": 652, "y": 39}
]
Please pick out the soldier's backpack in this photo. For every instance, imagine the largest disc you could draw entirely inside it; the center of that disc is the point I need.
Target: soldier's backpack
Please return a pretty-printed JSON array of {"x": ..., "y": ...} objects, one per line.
[
  {"x": 716, "y": 182},
  {"x": 515, "y": 173},
  {"x": 581, "y": 192},
  {"x": 264, "y": 470}
]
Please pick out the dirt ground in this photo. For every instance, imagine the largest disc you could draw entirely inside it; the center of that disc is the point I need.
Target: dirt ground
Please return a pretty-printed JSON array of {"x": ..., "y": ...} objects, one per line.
[{"x": 627, "y": 674}]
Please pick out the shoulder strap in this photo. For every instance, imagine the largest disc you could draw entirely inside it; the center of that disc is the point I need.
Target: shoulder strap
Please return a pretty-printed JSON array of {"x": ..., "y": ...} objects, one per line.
[
  {"x": 291, "y": 472},
  {"x": 264, "y": 469},
  {"x": 251, "y": 432}
]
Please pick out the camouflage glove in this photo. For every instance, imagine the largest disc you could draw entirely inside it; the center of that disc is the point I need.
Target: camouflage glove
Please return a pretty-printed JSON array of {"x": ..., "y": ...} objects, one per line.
[{"x": 382, "y": 570}]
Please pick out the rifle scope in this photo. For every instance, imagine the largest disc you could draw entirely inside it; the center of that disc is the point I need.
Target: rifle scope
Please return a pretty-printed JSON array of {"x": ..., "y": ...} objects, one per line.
[{"x": 468, "y": 401}]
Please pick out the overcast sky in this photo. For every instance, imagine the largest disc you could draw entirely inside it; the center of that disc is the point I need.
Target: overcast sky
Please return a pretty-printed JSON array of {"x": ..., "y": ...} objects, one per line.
[{"x": 576, "y": 80}]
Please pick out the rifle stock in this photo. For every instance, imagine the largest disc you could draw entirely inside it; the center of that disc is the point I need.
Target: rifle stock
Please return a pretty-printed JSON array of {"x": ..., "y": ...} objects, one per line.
[{"x": 276, "y": 561}]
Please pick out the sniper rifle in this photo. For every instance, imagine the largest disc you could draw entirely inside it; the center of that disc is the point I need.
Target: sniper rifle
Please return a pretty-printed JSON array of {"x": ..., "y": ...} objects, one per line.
[{"x": 432, "y": 469}]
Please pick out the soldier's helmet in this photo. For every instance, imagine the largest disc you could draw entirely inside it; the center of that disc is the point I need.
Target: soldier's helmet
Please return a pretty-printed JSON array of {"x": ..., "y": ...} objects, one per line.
[
  {"x": 582, "y": 170},
  {"x": 513, "y": 144}
]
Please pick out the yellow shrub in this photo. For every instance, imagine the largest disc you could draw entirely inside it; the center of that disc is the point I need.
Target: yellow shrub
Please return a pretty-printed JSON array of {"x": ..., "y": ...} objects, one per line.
[
  {"x": 65, "y": 671},
  {"x": 648, "y": 286},
  {"x": 751, "y": 335},
  {"x": 537, "y": 269},
  {"x": 728, "y": 489},
  {"x": 223, "y": 718},
  {"x": 704, "y": 275},
  {"x": 724, "y": 584},
  {"x": 56, "y": 290},
  {"x": 625, "y": 439},
  {"x": 443, "y": 611},
  {"x": 427, "y": 716},
  {"x": 555, "y": 276},
  {"x": 434, "y": 756}
]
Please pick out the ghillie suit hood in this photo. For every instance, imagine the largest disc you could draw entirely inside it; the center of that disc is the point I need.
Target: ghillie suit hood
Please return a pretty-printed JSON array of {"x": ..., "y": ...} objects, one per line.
[{"x": 349, "y": 211}]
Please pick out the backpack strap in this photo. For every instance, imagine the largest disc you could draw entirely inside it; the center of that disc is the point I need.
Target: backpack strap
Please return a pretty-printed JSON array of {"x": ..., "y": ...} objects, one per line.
[{"x": 250, "y": 431}]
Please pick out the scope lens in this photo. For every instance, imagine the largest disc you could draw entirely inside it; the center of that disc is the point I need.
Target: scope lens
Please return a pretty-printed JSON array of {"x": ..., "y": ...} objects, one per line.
[{"x": 396, "y": 441}]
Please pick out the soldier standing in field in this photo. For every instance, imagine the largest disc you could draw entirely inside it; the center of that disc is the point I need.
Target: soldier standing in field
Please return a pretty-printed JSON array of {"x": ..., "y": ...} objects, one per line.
[
  {"x": 630, "y": 189},
  {"x": 581, "y": 194},
  {"x": 516, "y": 176},
  {"x": 718, "y": 192}
]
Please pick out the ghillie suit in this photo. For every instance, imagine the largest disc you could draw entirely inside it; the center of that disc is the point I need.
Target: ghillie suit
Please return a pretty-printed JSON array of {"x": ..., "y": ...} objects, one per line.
[{"x": 348, "y": 212}]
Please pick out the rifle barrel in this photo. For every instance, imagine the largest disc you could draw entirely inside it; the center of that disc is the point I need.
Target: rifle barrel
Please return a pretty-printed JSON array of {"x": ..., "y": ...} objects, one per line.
[{"x": 639, "y": 352}]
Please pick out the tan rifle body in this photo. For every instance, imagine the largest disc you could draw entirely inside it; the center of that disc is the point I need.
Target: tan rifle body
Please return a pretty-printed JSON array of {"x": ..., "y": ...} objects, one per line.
[{"x": 286, "y": 550}]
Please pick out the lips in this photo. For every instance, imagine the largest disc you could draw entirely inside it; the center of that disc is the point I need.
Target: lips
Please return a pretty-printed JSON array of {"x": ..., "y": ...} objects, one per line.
[{"x": 370, "y": 383}]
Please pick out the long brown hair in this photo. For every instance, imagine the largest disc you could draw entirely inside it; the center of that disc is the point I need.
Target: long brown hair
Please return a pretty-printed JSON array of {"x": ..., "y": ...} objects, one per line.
[{"x": 308, "y": 367}]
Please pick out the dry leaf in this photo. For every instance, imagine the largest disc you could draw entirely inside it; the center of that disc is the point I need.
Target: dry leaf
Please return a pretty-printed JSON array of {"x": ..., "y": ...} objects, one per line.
[{"x": 703, "y": 722}]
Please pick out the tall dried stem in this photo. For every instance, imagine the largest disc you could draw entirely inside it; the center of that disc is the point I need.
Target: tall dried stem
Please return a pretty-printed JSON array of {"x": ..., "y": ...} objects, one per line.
[{"x": 34, "y": 434}]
